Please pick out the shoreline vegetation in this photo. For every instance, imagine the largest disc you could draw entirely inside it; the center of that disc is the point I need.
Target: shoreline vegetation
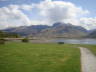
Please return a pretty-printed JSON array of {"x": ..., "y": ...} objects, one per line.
[
  {"x": 92, "y": 48},
  {"x": 52, "y": 40}
]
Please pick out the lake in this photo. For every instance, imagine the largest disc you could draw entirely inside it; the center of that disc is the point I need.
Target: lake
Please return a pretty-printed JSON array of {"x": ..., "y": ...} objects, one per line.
[
  {"x": 76, "y": 41},
  {"x": 68, "y": 41}
]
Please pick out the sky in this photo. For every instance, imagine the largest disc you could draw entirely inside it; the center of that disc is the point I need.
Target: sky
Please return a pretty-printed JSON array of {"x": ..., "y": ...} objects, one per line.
[{"x": 15, "y": 13}]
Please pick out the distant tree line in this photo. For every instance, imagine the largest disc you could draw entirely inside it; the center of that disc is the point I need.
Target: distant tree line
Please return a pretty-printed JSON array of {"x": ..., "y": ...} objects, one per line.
[
  {"x": 8, "y": 35},
  {"x": 4, "y": 35}
]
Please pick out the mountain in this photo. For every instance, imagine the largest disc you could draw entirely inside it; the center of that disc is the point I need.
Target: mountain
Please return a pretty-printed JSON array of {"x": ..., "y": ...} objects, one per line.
[
  {"x": 64, "y": 30},
  {"x": 57, "y": 30},
  {"x": 92, "y": 34},
  {"x": 27, "y": 30}
]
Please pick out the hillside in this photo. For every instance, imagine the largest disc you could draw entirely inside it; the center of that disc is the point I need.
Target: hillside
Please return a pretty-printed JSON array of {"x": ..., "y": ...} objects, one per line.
[
  {"x": 92, "y": 34},
  {"x": 64, "y": 30},
  {"x": 9, "y": 35},
  {"x": 57, "y": 30}
]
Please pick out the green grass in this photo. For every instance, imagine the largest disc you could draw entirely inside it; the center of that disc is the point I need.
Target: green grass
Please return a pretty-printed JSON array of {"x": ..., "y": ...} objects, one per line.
[
  {"x": 92, "y": 48},
  {"x": 28, "y": 57}
]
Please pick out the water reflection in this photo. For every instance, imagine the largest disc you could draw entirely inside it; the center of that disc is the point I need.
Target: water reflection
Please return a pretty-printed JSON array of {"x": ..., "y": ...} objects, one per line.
[{"x": 77, "y": 41}]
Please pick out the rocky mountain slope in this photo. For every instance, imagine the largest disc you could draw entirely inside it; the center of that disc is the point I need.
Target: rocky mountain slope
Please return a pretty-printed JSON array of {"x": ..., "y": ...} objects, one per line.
[
  {"x": 92, "y": 34},
  {"x": 64, "y": 30},
  {"x": 57, "y": 30}
]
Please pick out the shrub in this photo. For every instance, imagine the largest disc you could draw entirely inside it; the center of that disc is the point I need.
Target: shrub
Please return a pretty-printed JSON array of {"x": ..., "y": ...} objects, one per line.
[
  {"x": 60, "y": 42},
  {"x": 2, "y": 41},
  {"x": 25, "y": 40}
]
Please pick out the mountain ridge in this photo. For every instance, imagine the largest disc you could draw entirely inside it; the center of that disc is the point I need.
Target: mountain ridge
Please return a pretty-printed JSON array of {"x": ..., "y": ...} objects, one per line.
[{"x": 56, "y": 30}]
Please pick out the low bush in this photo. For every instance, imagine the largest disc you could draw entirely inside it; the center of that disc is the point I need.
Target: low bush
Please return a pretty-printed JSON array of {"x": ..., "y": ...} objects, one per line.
[
  {"x": 60, "y": 42},
  {"x": 2, "y": 41},
  {"x": 25, "y": 40}
]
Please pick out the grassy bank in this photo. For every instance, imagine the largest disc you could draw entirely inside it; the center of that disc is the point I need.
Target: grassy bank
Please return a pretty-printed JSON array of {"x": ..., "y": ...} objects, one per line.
[
  {"x": 90, "y": 47},
  {"x": 27, "y": 57}
]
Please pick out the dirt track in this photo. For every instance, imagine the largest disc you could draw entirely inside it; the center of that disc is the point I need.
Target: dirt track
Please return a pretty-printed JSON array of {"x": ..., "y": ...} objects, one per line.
[{"x": 88, "y": 60}]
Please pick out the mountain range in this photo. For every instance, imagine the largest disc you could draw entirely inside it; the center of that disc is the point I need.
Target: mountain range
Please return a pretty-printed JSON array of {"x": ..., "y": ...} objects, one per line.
[
  {"x": 92, "y": 34},
  {"x": 59, "y": 29}
]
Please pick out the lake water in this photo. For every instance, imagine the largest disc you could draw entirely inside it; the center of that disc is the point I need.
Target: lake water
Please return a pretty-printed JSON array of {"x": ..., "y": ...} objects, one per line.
[
  {"x": 76, "y": 41},
  {"x": 68, "y": 41}
]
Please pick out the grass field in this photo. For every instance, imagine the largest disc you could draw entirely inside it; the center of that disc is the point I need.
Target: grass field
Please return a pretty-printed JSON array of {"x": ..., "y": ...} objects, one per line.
[
  {"x": 92, "y": 48},
  {"x": 27, "y": 57}
]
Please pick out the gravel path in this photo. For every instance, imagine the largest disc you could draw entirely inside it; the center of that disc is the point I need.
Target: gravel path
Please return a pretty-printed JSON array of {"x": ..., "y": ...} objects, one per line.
[{"x": 88, "y": 60}]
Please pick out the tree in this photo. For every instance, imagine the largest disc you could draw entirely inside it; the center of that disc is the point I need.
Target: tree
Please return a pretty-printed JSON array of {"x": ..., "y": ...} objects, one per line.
[
  {"x": 60, "y": 42},
  {"x": 9, "y": 35},
  {"x": 2, "y": 41},
  {"x": 25, "y": 40}
]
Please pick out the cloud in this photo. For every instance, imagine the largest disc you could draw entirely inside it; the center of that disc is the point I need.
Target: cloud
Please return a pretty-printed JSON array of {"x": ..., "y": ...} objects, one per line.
[
  {"x": 88, "y": 23},
  {"x": 23, "y": 7},
  {"x": 57, "y": 11},
  {"x": 48, "y": 11},
  {"x": 11, "y": 16},
  {"x": 60, "y": 11},
  {"x": 26, "y": 7},
  {"x": 39, "y": 22}
]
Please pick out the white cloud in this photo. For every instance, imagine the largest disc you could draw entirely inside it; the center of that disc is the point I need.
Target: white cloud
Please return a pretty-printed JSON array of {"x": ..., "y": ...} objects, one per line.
[
  {"x": 57, "y": 11},
  {"x": 23, "y": 6},
  {"x": 88, "y": 23},
  {"x": 39, "y": 22},
  {"x": 49, "y": 12},
  {"x": 60, "y": 11},
  {"x": 26, "y": 7},
  {"x": 11, "y": 16}
]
